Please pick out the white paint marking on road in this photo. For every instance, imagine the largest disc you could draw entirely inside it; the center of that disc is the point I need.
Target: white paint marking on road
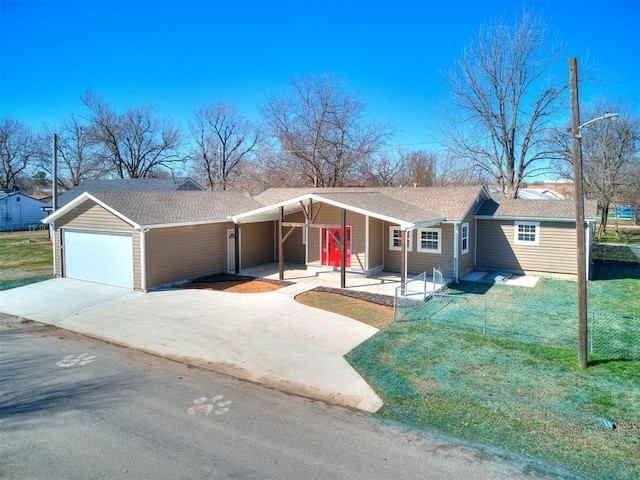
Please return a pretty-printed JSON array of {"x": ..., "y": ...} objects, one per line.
[
  {"x": 73, "y": 360},
  {"x": 202, "y": 408}
]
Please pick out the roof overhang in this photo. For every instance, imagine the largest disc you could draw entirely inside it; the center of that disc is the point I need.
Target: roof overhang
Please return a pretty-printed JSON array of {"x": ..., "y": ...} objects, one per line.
[
  {"x": 86, "y": 196},
  {"x": 530, "y": 219},
  {"x": 271, "y": 212}
]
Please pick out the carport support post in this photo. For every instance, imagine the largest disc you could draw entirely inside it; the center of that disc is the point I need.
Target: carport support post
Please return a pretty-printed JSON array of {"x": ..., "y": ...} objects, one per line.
[
  {"x": 280, "y": 245},
  {"x": 343, "y": 252},
  {"x": 236, "y": 240}
]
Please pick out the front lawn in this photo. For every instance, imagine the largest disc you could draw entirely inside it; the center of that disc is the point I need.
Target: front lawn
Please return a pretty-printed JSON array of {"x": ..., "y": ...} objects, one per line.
[
  {"x": 25, "y": 257},
  {"x": 526, "y": 399}
]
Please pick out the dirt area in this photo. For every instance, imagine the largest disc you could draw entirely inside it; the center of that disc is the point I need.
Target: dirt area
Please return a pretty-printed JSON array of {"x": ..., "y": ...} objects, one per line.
[
  {"x": 226, "y": 282},
  {"x": 242, "y": 286}
]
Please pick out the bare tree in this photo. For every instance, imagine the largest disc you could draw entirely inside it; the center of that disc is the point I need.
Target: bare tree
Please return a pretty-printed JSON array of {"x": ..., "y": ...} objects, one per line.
[
  {"x": 323, "y": 130},
  {"x": 381, "y": 171},
  {"x": 225, "y": 139},
  {"x": 609, "y": 156},
  {"x": 419, "y": 169},
  {"x": 137, "y": 142},
  {"x": 504, "y": 99},
  {"x": 78, "y": 155},
  {"x": 18, "y": 150}
]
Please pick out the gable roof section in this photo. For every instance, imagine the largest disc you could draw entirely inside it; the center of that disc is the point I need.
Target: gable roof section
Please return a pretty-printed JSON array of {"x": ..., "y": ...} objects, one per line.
[
  {"x": 558, "y": 210},
  {"x": 160, "y": 209},
  {"x": 382, "y": 206},
  {"x": 129, "y": 185},
  {"x": 412, "y": 205}
]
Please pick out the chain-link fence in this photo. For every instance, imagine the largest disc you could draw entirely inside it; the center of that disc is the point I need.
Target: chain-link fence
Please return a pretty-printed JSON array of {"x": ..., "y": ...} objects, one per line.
[
  {"x": 616, "y": 252},
  {"x": 412, "y": 293},
  {"x": 525, "y": 322},
  {"x": 614, "y": 260}
]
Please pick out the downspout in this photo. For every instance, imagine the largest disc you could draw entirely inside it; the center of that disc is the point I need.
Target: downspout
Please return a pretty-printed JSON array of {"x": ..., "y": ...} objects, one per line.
[
  {"x": 143, "y": 258},
  {"x": 456, "y": 232},
  {"x": 52, "y": 234},
  {"x": 475, "y": 243}
]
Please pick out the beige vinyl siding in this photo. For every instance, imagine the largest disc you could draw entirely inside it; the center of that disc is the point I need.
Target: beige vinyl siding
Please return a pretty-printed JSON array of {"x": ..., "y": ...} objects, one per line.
[
  {"x": 257, "y": 243},
  {"x": 91, "y": 216},
  {"x": 184, "y": 252},
  {"x": 418, "y": 262},
  {"x": 555, "y": 253},
  {"x": 294, "y": 249},
  {"x": 375, "y": 242}
]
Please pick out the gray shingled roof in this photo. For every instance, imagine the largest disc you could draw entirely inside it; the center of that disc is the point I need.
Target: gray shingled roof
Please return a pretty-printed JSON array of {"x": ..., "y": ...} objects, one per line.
[
  {"x": 378, "y": 203},
  {"x": 451, "y": 203},
  {"x": 123, "y": 185},
  {"x": 523, "y": 208},
  {"x": 157, "y": 208}
]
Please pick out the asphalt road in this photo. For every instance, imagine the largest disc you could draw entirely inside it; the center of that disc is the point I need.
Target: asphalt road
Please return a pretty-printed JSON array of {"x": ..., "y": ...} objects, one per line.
[{"x": 74, "y": 407}]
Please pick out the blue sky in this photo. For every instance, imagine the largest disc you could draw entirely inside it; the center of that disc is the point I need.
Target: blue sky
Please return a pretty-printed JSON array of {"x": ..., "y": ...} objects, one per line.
[{"x": 181, "y": 56}]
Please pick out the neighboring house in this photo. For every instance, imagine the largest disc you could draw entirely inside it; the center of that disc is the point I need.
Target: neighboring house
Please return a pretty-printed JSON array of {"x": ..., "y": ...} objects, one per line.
[
  {"x": 19, "y": 212},
  {"x": 539, "y": 194},
  {"x": 128, "y": 185},
  {"x": 165, "y": 237}
]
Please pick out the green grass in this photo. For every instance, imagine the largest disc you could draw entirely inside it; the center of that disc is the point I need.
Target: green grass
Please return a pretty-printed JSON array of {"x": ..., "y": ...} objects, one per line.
[
  {"x": 617, "y": 296},
  {"x": 526, "y": 399},
  {"x": 25, "y": 257}
]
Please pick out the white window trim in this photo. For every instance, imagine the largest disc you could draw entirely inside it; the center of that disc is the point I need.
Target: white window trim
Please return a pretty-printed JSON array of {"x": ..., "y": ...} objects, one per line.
[
  {"x": 430, "y": 250},
  {"x": 409, "y": 237},
  {"x": 516, "y": 229},
  {"x": 463, "y": 238}
]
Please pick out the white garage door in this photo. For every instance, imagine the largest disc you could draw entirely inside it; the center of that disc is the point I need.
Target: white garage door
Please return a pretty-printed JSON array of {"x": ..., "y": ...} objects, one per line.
[{"x": 100, "y": 257}]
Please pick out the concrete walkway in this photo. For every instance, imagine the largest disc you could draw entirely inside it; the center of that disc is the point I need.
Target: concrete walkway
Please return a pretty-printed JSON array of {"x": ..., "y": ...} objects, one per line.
[{"x": 267, "y": 338}]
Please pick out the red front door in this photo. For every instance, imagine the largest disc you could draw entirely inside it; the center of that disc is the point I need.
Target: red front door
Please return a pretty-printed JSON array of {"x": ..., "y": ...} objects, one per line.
[{"x": 331, "y": 246}]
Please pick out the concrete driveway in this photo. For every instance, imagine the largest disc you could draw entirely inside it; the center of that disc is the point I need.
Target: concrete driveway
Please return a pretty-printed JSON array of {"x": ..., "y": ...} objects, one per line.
[{"x": 267, "y": 338}]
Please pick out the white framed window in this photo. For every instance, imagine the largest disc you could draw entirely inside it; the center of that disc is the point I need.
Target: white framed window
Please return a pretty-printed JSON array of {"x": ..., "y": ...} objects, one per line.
[
  {"x": 395, "y": 239},
  {"x": 430, "y": 240},
  {"x": 464, "y": 237},
  {"x": 305, "y": 233},
  {"x": 526, "y": 233}
]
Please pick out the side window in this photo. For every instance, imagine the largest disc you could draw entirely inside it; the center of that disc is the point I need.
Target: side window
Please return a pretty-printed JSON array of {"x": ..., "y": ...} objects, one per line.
[
  {"x": 395, "y": 239},
  {"x": 430, "y": 240},
  {"x": 527, "y": 233},
  {"x": 465, "y": 238}
]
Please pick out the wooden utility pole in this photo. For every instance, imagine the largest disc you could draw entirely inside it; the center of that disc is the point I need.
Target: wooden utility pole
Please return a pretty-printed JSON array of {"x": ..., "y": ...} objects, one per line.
[
  {"x": 54, "y": 181},
  {"x": 580, "y": 226}
]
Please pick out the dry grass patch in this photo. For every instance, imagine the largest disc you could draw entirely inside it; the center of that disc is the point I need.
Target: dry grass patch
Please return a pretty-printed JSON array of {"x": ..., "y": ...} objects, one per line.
[{"x": 377, "y": 316}]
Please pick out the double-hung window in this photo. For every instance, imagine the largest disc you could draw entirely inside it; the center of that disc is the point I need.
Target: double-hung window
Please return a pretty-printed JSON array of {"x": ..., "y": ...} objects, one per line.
[
  {"x": 465, "y": 238},
  {"x": 430, "y": 240},
  {"x": 395, "y": 239},
  {"x": 526, "y": 233}
]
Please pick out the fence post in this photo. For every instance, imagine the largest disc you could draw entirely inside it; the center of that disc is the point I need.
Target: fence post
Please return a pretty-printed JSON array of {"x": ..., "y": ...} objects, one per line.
[
  {"x": 484, "y": 323},
  {"x": 591, "y": 327},
  {"x": 395, "y": 304}
]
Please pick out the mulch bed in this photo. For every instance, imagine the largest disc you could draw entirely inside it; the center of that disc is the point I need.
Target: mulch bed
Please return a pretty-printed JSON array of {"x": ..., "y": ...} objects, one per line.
[
  {"x": 376, "y": 298},
  {"x": 230, "y": 277}
]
